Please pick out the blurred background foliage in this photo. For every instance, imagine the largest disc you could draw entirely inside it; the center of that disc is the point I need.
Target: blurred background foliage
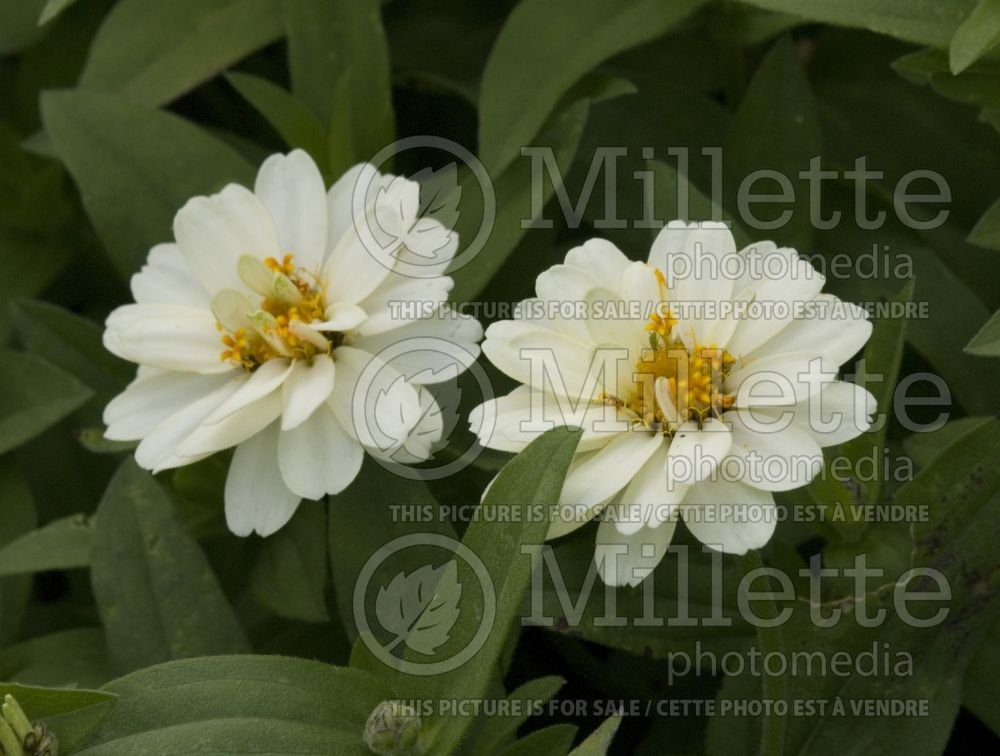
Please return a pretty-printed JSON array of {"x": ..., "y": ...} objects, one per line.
[{"x": 112, "y": 114}]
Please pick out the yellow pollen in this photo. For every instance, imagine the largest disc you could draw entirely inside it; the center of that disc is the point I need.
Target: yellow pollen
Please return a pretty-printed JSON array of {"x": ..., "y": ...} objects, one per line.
[
  {"x": 284, "y": 266},
  {"x": 661, "y": 322},
  {"x": 252, "y": 349}
]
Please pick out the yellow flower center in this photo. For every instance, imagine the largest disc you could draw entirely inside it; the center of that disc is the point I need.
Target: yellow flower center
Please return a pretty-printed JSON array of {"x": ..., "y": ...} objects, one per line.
[
  {"x": 694, "y": 380},
  {"x": 294, "y": 299},
  {"x": 694, "y": 377}
]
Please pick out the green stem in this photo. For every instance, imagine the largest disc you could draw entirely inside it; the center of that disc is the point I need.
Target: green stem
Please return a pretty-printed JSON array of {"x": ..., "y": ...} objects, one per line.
[{"x": 774, "y": 688}]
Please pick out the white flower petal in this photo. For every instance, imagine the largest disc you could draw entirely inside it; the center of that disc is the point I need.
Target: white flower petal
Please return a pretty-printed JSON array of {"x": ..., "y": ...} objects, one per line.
[
  {"x": 690, "y": 256},
  {"x": 166, "y": 278},
  {"x": 257, "y": 499},
  {"x": 572, "y": 286},
  {"x": 627, "y": 559},
  {"x": 341, "y": 317},
  {"x": 349, "y": 196},
  {"x": 147, "y": 402},
  {"x": 800, "y": 284},
  {"x": 400, "y": 299},
  {"x": 427, "y": 252},
  {"x": 159, "y": 448},
  {"x": 778, "y": 379},
  {"x": 358, "y": 264},
  {"x": 234, "y": 429},
  {"x": 254, "y": 386},
  {"x": 512, "y": 345},
  {"x": 380, "y": 412},
  {"x": 840, "y": 412},
  {"x": 729, "y": 517},
  {"x": 318, "y": 457},
  {"x": 426, "y": 363},
  {"x": 427, "y": 249},
  {"x": 425, "y": 437},
  {"x": 602, "y": 259},
  {"x": 171, "y": 337},
  {"x": 603, "y": 475},
  {"x": 838, "y": 339},
  {"x": 291, "y": 188},
  {"x": 307, "y": 387},
  {"x": 511, "y": 422},
  {"x": 661, "y": 390},
  {"x": 695, "y": 452},
  {"x": 650, "y": 499},
  {"x": 212, "y": 233},
  {"x": 773, "y": 460}
]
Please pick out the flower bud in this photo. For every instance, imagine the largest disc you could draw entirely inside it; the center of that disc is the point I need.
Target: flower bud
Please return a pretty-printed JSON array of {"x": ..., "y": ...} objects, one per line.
[{"x": 392, "y": 728}]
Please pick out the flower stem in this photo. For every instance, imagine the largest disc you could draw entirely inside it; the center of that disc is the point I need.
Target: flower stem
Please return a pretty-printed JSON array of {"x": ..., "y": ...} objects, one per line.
[{"x": 774, "y": 688}]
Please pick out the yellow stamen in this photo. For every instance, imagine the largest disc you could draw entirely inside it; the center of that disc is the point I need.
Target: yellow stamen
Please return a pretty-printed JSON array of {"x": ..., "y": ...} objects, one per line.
[{"x": 272, "y": 336}]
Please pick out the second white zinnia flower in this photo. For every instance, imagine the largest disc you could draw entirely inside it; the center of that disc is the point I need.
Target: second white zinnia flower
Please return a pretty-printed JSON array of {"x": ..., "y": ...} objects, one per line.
[
  {"x": 254, "y": 328},
  {"x": 703, "y": 380}
]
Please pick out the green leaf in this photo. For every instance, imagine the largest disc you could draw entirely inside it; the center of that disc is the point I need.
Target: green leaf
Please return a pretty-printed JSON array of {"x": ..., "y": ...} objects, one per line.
[
  {"x": 746, "y": 26},
  {"x": 976, "y": 36},
  {"x": 152, "y": 52},
  {"x": 956, "y": 539},
  {"x": 928, "y": 22},
  {"x": 20, "y": 24},
  {"x": 554, "y": 740},
  {"x": 328, "y": 39},
  {"x": 70, "y": 714},
  {"x": 290, "y": 117},
  {"x": 976, "y": 85},
  {"x": 18, "y": 512},
  {"x": 289, "y": 576},
  {"x": 421, "y": 608},
  {"x": 61, "y": 545},
  {"x": 529, "y": 483},
  {"x": 981, "y": 686},
  {"x": 986, "y": 343},
  {"x": 65, "y": 659},
  {"x": 154, "y": 588},
  {"x": 135, "y": 167},
  {"x": 776, "y": 129},
  {"x": 239, "y": 704},
  {"x": 52, "y": 9},
  {"x": 36, "y": 396},
  {"x": 496, "y": 732},
  {"x": 514, "y": 195},
  {"x": 515, "y": 100},
  {"x": 938, "y": 285},
  {"x": 36, "y": 202},
  {"x": 37, "y": 263},
  {"x": 986, "y": 232},
  {"x": 924, "y": 447},
  {"x": 599, "y": 741},
  {"x": 883, "y": 357},
  {"x": 377, "y": 508},
  {"x": 573, "y": 601},
  {"x": 957, "y": 484},
  {"x": 71, "y": 343},
  {"x": 676, "y": 196}
]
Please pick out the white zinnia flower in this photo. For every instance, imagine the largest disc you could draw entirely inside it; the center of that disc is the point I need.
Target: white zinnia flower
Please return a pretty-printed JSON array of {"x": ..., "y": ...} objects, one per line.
[
  {"x": 668, "y": 429},
  {"x": 252, "y": 331}
]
